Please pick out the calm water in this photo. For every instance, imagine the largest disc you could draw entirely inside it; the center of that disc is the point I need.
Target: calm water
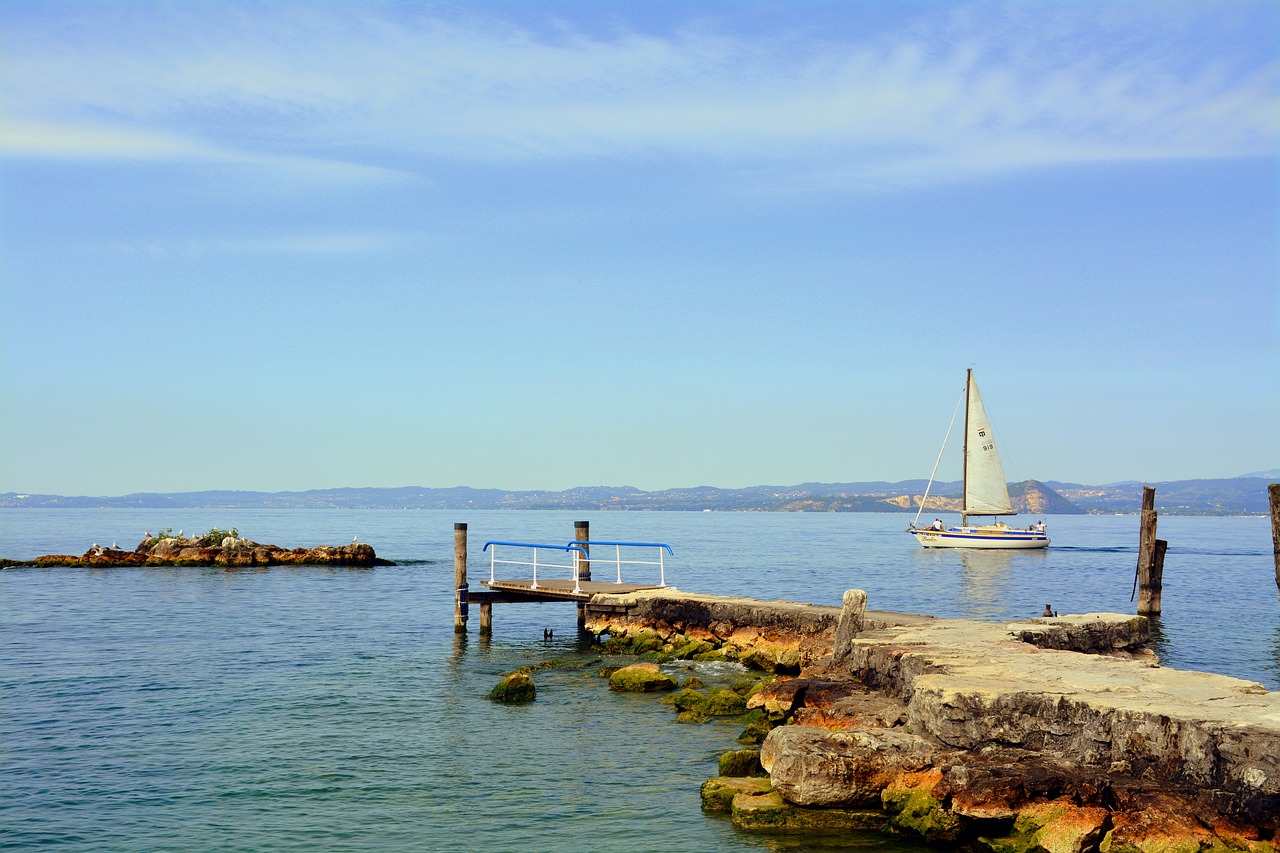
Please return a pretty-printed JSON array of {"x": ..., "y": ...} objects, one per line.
[{"x": 331, "y": 709}]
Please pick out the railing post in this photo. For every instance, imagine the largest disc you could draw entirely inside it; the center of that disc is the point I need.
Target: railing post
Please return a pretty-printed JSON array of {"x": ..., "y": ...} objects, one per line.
[
  {"x": 662, "y": 568},
  {"x": 460, "y": 578},
  {"x": 535, "y": 569}
]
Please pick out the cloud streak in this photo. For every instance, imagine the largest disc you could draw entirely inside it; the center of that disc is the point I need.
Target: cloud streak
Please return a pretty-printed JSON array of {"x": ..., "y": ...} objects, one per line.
[{"x": 975, "y": 91}]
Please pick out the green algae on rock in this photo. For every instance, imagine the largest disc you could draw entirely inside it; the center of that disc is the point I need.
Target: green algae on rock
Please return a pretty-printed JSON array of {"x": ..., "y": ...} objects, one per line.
[
  {"x": 641, "y": 678},
  {"x": 516, "y": 688}
]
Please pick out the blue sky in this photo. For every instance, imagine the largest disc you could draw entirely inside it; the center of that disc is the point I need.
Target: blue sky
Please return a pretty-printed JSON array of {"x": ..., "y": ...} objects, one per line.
[{"x": 281, "y": 246}]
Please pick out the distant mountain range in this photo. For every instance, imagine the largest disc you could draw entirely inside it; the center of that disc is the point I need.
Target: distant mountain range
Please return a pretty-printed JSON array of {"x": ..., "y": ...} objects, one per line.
[{"x": 1246, "y": 495}]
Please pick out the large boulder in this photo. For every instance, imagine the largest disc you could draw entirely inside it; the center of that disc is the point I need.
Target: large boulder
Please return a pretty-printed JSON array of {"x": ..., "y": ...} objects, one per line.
[{"x": 814, "y": 767}]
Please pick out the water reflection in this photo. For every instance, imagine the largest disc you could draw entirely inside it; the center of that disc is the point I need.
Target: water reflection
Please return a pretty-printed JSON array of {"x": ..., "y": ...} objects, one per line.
[
  {"x": 1159, "y": 642},
  {"x": 984, "y": 575},
  {"x": 1273, "y": 665}
]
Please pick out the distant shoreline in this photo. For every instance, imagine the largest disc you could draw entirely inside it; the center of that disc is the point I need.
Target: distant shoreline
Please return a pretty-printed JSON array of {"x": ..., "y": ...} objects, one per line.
[{"x": 1238, "y": 496}]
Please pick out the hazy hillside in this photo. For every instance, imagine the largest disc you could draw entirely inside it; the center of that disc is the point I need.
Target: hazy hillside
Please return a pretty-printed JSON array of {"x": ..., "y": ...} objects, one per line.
[{"x": 1234, "y": 496}]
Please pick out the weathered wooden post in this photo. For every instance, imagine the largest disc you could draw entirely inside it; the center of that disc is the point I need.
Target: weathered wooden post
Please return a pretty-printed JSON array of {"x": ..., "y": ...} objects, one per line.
[
  {"x": 582, "y": 533},
  {"x": 460, "y": 578},
  {"x": 1149, "y": 578},
  {"x": 1273, "y": 492},
  {"x": 486, "y": 618}
]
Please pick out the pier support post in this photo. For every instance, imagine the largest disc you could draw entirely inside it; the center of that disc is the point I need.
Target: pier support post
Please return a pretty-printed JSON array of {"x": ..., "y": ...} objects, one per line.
[
  {"x": 1273, "y": 492},
  {"x": 582, "y": 533},
  {"x": 460, "y": 578},
  {"x": 486, "y": 618},
  {"x": 1150, "y": 579}
]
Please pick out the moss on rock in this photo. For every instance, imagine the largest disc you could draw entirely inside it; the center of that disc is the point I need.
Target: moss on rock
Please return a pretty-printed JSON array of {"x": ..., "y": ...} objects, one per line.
[
  {"x": 718, "y": 793},
  {"x": 741, "y": 762},
  {"x": 915, "y": 809},
  {"x": 516, "y": 688},
  {"x": 641, "y": 678},
  {"x": 768, "y": 811}
]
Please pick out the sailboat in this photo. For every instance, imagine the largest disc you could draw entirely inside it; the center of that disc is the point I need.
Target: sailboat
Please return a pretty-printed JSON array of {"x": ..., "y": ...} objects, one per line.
[{"x": 985, "y": 491}]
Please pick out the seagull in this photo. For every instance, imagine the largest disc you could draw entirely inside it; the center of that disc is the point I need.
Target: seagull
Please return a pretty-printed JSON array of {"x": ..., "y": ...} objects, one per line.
[
  {"x": 114, "y": 546},
  {"x": 146, "y": 534},
  {"x": 353, "y": 540},
  {"x": 179, "y": 534}
]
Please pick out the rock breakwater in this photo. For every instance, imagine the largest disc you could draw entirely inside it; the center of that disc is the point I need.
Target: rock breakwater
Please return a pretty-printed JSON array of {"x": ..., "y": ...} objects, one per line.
[{"x": 1057, "y": 734}]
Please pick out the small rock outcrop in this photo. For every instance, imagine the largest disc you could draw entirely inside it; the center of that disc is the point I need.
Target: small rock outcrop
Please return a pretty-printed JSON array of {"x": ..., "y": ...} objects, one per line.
[
  {"x": 516, "y": 688},
  {"x": 211, "y": 550}
]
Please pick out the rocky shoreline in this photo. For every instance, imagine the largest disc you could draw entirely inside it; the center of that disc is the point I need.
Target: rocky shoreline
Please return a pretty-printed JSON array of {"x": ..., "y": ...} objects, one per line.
[
  {"x": 216, "y": 548},
  {"x": 1055, "y": 734}
]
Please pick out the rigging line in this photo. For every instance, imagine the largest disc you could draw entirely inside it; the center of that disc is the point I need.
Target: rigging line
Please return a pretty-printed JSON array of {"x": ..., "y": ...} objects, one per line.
[{"x": 945, "y": 438}]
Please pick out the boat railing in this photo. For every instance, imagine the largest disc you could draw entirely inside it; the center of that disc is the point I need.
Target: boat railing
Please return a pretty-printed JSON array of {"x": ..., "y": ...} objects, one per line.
[
  {"x": 579, "y": 553},
  {"x": 661, "y": 547}
]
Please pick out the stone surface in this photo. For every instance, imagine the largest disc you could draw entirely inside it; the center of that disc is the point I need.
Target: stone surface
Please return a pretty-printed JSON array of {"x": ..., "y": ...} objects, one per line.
[{"x": 815, "y": 767}]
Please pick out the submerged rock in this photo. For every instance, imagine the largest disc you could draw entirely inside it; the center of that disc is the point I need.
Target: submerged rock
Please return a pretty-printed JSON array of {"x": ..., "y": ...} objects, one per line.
[
  {"x": 641, "y": 678},
  {"x": 718, "y": 793},
  {"x": 516, "y": 688}
]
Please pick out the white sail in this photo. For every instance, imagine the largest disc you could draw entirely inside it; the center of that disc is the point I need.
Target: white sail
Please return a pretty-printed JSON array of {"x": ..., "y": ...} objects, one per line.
[{"x": 985, "y": 491}]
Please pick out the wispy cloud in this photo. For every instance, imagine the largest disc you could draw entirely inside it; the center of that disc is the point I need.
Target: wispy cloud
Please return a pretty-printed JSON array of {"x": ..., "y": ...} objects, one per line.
[
  {"x": 303, "y": 244},
  {"x": 974, "y": 90}
]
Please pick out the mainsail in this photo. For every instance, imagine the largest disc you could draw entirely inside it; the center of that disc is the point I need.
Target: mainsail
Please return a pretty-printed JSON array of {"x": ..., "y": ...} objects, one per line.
[{"x": 985, "y": 491}]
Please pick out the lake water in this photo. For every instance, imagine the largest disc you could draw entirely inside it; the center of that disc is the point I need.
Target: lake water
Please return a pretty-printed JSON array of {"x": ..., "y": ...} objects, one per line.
[{"x": 334, "y": 709}]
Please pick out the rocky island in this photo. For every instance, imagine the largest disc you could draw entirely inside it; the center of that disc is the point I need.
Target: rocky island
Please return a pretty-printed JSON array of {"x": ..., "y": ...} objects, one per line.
[
  {"x": 216, "y": 548},
  {"x": 1049, "y": 735}
]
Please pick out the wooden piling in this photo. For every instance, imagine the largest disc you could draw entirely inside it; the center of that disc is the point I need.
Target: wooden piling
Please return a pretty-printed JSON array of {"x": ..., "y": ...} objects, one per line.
[
  {"x": 486, "y": 618},
  {"x": 1148, "y": 587},
  {"x": 582, "y": 533},
  {"x": 1273, "y": 492},
  {"x": 460, "y": 578}
]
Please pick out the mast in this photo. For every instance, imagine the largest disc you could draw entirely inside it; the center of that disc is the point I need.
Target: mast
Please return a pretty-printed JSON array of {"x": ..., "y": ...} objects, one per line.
[{"x": 964, "y": 468}]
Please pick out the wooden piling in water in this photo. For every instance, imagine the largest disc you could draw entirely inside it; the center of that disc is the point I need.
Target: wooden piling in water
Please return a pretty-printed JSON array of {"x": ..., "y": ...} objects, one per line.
[
  {"x": 582, "y": 533},
  {"x": 486, "y": 618},
  {"x": 1150, "y": 580},
  {"x": 1273, "y": 492},
  {"x": 460, "y": 579}
]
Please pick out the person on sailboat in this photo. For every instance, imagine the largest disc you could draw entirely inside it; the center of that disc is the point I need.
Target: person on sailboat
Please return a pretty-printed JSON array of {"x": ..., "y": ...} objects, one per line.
[
  {"x": 937, "y": 524},
  {"x": 1039, "y": 526}
]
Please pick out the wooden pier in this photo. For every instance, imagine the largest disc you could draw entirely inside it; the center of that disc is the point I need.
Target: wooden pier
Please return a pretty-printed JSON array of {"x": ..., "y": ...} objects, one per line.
[{"x": 578, "y": 586}]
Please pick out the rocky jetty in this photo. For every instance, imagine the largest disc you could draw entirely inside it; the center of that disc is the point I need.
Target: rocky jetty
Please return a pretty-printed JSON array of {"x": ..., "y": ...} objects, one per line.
[
  {"x": 216, "y": 548},
  {"x": 1062, "y": 734}
]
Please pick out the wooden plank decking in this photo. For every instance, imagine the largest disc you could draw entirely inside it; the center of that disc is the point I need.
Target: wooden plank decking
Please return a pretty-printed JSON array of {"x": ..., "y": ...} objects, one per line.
[{"x": 552, "y": 590}]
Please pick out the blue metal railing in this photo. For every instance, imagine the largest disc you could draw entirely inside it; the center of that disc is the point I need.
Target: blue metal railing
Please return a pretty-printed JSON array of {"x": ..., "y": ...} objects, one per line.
[
  {"x": 618, "y": 561},
  {"x": 571, "y": 548}
]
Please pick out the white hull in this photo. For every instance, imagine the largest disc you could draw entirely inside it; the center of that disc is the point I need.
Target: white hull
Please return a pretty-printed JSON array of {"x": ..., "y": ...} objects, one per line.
[{"x": 996, "y": 537}]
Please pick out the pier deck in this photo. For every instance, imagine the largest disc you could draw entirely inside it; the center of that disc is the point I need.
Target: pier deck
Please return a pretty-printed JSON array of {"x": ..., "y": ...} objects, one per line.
[{"x": 506, "y": 591}]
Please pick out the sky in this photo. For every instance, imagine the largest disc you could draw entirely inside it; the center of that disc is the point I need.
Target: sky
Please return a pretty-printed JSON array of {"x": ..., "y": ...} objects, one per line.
[{"x": 533, "y": 245}]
